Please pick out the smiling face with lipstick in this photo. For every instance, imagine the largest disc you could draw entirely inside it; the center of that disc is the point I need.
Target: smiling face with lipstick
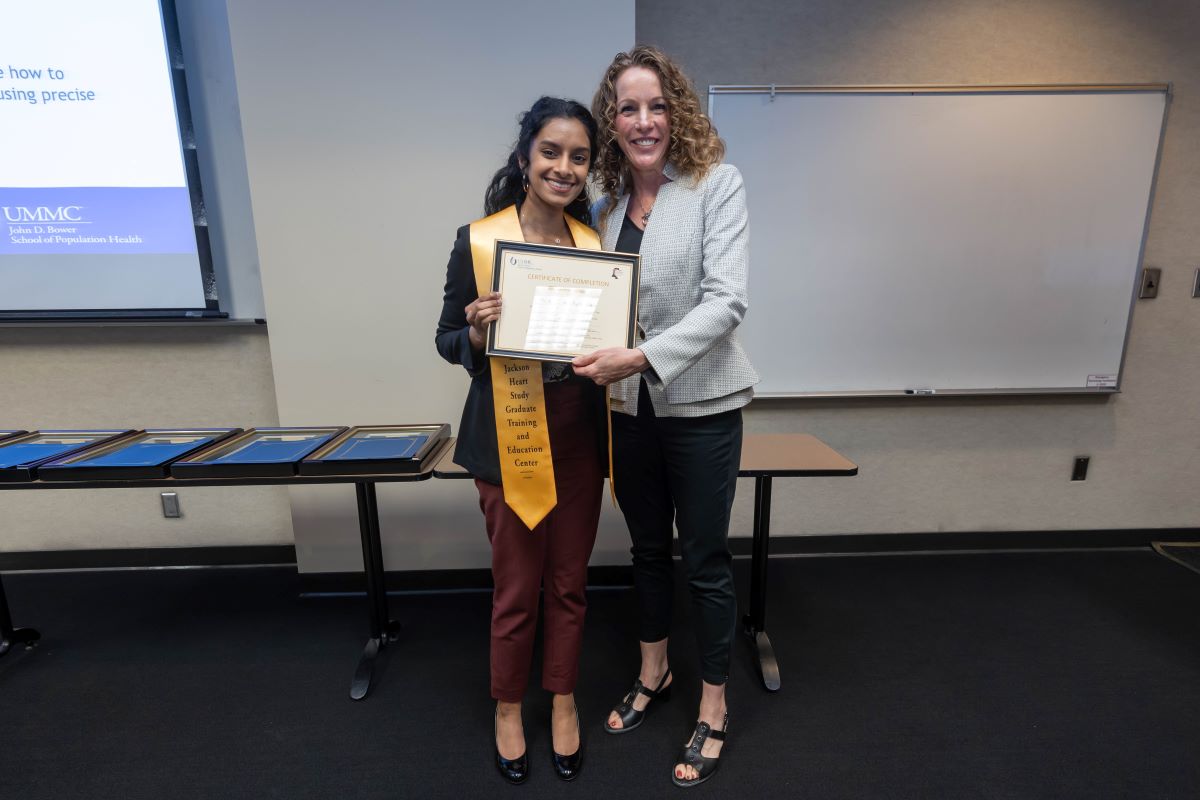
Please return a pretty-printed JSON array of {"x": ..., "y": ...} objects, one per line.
[
  {"x": 556, "y": 166},
  {"x": 642, "y": 121}
]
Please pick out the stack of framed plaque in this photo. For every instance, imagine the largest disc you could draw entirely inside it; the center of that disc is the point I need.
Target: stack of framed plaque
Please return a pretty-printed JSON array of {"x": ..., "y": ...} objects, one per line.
[
  {"x": 376, "y": 449},
  {"x": 4, "y": 434},
  {"x": 21, "y": 455},
  {"x": 256, "y": 453},
  {"x": 146, "y": 454},
  {"x": 561, "y": 302}
]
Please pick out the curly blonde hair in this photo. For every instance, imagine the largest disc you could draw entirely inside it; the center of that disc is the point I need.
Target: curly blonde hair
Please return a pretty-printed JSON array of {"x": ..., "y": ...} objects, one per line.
[{"x": 695, "y": 147}]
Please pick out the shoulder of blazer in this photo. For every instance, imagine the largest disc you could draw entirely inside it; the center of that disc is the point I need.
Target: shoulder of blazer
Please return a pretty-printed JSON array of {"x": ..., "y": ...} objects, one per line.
[
  {"x": 681, "y": 179},
  {"x": 720, "y": 178}
]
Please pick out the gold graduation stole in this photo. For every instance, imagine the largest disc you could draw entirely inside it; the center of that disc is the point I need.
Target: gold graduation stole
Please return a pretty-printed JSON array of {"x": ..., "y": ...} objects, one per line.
[{"x": 522, "y": 438}]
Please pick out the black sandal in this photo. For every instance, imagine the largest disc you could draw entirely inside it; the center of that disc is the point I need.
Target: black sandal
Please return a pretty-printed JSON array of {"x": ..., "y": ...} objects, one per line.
[
  {"x": 630, "y": 716},
  {"x": 691, "y": 756}
]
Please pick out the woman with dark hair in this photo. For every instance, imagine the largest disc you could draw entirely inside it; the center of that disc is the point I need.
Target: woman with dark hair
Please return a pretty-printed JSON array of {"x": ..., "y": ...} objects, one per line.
[
  {"x": 677, "y": 396},
  {"x": 541, "y": 513}
]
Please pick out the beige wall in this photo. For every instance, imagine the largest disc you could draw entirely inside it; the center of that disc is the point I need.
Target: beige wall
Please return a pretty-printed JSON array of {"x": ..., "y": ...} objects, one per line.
[
  {"x": 949, "y": 464},
  {"x": 144, "y": 376}
]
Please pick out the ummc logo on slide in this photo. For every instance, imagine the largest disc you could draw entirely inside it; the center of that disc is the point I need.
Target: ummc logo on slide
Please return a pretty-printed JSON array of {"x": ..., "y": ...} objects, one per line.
[{"x": 43, "y": 214}]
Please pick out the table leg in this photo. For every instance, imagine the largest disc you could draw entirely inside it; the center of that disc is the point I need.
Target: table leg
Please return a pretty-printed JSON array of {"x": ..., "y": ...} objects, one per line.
[
  {"x": 382, "y": 629},
  {"x": 9, "y": 635},
  {"x": 755, "y": 621}
]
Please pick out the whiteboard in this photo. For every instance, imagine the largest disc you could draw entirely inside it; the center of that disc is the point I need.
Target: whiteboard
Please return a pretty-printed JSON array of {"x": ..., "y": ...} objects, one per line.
[{"x": 942, "y": 240}]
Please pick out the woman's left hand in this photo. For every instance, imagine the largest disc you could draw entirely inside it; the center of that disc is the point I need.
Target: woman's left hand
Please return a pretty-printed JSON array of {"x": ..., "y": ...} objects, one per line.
[{"x": 610, "y": 364}]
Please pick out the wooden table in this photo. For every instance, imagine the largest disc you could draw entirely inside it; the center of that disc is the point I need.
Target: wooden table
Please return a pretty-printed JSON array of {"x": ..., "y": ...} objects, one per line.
[
  {"x": 764, "y": 457},
  {"x": 383, "y": 629}
]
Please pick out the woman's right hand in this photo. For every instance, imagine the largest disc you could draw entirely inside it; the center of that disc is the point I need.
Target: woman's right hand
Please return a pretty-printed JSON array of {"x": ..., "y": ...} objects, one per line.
[{"x": 480, "y": 314}]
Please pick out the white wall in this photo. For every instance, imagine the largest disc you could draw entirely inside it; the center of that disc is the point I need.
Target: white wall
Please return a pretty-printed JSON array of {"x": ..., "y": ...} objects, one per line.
[{"x": 371, "y": 131}]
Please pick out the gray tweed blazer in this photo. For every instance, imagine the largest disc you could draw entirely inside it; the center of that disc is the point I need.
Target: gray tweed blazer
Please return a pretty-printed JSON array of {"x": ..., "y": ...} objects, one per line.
[{"x": 692, "y": 295}]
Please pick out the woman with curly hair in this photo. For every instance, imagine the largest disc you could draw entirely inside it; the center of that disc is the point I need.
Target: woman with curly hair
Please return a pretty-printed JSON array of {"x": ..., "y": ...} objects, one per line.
[{"x": 678, "y": 395}]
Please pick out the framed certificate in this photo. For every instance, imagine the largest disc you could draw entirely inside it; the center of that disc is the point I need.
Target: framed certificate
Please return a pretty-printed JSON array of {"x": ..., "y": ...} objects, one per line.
[
  {"x": 561, "y": 302},
  {"x": 8, "y": 434},
  {"x": 257, "y": 453},
  {"x": 375, "y": 449},
  {"x": 145, "y": 454},
  {"x": 20, "y": 456}
]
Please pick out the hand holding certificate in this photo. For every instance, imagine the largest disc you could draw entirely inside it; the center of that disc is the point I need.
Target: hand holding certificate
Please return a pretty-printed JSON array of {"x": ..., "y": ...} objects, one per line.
[{"x": 560, "y": 302}]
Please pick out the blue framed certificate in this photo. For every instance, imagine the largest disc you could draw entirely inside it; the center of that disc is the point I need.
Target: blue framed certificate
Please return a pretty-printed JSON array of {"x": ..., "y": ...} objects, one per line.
[
  {"x": 377, "y": 449},
  {"x": 146, "y": 454},
  {"x": 22, "y": 455},
  {"x": 256, "y": 453}
]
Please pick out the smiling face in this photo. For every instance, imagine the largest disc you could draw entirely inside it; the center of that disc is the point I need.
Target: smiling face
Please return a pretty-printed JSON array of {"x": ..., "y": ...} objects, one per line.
[
  {"x": 558, "y": 163},
  {"x": 643, "y": 120}
]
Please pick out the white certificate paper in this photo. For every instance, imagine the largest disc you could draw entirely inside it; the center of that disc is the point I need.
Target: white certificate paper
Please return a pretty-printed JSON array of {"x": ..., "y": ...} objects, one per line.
[{"x": 561, "y": 317}]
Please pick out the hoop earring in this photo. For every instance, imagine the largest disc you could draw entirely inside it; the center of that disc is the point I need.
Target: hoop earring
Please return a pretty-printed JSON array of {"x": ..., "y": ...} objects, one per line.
[{"x": 525, "y": 181}]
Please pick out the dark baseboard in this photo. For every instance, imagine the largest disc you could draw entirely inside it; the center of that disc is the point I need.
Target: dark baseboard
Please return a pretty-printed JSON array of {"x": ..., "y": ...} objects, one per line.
[
  {"x": 442, "y": 580},
  {"x": 838, "y": 544},
  {"x": 150, "y": 557},
  {"x": 431, "y": 580},
  {"x": 967, "y": 541}
]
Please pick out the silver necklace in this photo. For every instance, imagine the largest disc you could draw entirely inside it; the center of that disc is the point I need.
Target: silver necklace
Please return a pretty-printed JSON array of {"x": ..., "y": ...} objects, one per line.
[{"x": 557, "y": 239}]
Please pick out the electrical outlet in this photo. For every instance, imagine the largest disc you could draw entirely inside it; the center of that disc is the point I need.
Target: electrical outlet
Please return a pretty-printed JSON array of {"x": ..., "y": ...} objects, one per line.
[
  {"x": 1079, "y": 473},
  {"x": 170, "y": 504},
  {"x": 1151, "y": 277}
]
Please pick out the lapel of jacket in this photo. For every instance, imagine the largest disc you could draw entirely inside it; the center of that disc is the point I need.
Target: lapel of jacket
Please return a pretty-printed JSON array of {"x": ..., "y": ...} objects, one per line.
[
  {"x": 675, "y": 181},
  {"x": 662, "y": 206},
  {"x": 612, "y": 226}
]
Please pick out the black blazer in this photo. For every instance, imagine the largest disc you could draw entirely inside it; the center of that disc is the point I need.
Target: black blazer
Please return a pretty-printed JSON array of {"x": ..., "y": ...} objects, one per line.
[{"x": 476, "y": 447}]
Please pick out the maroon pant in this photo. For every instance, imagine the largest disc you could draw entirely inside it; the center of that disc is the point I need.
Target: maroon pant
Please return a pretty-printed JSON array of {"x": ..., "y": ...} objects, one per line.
[{"x": 555, "y": 553}]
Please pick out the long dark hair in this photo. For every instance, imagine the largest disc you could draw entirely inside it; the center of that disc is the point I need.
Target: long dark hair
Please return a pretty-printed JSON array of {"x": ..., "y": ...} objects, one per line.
[{"x": 508, "y": 184}]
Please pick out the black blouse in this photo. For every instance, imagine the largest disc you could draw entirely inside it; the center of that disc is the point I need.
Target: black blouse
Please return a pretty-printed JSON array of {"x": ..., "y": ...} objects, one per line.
[{"x": 629, "y": 240}]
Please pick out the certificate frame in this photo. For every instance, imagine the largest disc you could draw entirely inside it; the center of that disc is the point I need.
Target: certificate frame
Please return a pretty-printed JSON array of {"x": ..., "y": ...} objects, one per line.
[
  {"x": 79, "y": 467},
  {"x": 533, "y": 278},
  {"x": 210, "y": 462},
  {"x": 330, "y": 460},
  {"x": 28, "y": 470}
]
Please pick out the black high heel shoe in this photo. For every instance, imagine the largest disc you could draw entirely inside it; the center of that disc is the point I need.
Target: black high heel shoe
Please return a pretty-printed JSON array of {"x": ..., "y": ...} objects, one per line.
[
  {"x": 567, "y": 768},
  {"x": 630, "y": 716},
  {"x": 514, "y": 770}
]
